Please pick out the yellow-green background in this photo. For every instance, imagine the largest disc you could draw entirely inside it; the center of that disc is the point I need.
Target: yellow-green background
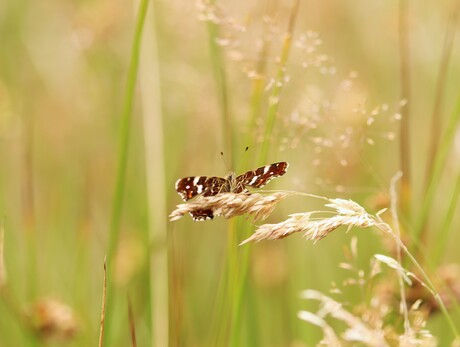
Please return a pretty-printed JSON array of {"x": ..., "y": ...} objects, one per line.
[{"x": 63, "y": 88}]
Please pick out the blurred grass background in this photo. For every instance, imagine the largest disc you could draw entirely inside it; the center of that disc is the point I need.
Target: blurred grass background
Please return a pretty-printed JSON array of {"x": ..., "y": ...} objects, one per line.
[{"x": 63, "y": 72}]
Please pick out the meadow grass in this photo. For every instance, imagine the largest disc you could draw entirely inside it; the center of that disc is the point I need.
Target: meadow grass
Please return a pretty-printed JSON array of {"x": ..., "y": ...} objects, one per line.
[{"x": 111, "y": 106}]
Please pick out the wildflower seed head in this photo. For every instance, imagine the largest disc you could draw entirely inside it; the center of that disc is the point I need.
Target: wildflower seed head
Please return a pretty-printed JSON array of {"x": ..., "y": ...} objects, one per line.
[
  {"x": 349, "y": 214},
  {"x": 230, "y": 205},
  {"x": 53, "y": 319}
]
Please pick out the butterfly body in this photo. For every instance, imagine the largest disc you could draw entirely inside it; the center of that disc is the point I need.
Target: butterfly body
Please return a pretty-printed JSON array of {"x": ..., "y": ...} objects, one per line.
[{"x": 192, "y": 186}]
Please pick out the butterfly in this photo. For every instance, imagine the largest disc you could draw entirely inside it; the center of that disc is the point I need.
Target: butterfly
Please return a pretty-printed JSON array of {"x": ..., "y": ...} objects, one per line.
[{"x": 192, "y": 186}]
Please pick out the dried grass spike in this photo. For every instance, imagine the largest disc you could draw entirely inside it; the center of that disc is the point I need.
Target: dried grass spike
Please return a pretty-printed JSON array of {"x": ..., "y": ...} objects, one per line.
[
  {"x": 2, "y": 257},
  {"x": 230, "y": 205}
]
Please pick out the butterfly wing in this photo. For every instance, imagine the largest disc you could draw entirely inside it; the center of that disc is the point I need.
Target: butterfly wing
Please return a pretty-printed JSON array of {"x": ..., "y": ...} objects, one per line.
[
  {"x": 259, "y": 177},
  {"x": 189, "y": 187}
]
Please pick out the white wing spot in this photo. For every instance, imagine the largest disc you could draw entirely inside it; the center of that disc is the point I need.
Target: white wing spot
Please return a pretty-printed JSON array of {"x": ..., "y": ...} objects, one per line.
[
  {"x": 195, "y": 180},
  {"x": 254, "y": 179},
  {"x": 266, "y": 168},
  {"x": 199, "y": 189}
]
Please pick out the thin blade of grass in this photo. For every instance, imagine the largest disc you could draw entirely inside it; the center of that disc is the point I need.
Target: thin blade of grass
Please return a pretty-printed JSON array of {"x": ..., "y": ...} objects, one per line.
[
  {"x": 157, "y": 228},
  {"x": 104, "y": 293},
  {"x": 132, "y": 326},
  {"x": 394, "y": 215},
  {"x": 220, "y": 78},
  {"x": 445, "y": 229},
  {"x": 404, "y": 52},
  {"x": 2, "y": 256},
  {"x": 125, "y": 127},
  {"x": 218, "y": 64},
  {"x": 436, "y": 118},
  {"x": 440, "y": 161},
  {"x": 273, "y": 101}
]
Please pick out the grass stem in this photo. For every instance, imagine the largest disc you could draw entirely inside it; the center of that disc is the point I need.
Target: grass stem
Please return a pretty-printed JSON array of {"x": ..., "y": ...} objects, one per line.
[
  {"x": 125, "y": 127},
  {"x": 443, "y": 234},
  {"x": 104, "y": 296},
  {"x": 430, "y": 286},
  {"x": 394, "y": 215},
  {"x": 157, "y": 228},
  {"x": 436, "y": 124},
  {"x": 440, "y": 160},
  {"x": 222, "y": 90},
  {"x": 274, "y": 99},
  {"x": 405, "y": 75}
]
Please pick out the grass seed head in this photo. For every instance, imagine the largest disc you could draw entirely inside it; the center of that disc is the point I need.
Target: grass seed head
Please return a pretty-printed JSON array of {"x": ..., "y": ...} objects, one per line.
[
  {"x": 230, "y": 205},
  {"x": 349, "y": 214}
]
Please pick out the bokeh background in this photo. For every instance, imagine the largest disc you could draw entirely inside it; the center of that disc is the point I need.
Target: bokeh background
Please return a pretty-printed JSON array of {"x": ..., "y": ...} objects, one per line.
[{"x": 64, "y": 72}]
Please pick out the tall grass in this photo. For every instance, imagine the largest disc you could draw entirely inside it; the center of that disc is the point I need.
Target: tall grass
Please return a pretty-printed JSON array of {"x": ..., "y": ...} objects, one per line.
[
  {"x": 405, "y": 135},
  {"x": 157, "y": 245},
  {"x": 120, "y": 185},
  {"x": 238, "y": 261},
  {"x": 244, "y": 78}
]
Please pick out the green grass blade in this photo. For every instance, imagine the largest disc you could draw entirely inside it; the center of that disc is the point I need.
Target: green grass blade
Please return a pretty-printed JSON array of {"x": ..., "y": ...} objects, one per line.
[
  {"x": 439, "y": 163},
  {"x": 155, "y": 180},
  {"x": 125, "y": 127},
  {"x": 273, "y": 101},
  {"x": 405, "y": 152}
]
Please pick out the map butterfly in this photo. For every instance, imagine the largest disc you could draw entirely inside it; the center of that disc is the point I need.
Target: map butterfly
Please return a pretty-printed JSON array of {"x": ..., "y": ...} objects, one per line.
[{"x": 189, "y": 187}]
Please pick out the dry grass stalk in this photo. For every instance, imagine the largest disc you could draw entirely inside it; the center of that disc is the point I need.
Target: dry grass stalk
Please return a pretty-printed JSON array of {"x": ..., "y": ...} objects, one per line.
[
  {"x": 363, "y": 328},
  {"x": 358, "y": 330},
  {"x": 394, "y": 264},
  {"x": 104, "y": 289},
  {"x": 330, "y": 338},
  {"x": 348, "y": 213},
  {"x": 2, "y": 257},
  {"x": 230, "y": 205},
  {"x": 132, "y": 325}
]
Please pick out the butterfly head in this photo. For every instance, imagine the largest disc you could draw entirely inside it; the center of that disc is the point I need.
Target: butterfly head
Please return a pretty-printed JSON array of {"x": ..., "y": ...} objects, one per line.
[{"x": 230, "y": 182}]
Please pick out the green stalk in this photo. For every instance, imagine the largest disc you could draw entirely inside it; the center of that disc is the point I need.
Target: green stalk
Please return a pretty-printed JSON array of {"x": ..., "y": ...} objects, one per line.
[
  {"x": 394, "y": 215},
  {"x": 439, "y": 163},
  {"x": 117, "y": 204},
  {"x": 429, "y": 285},
  {"x": 28, "y": 204},
  {"x": 222, "y": 90},
  {"x": 8, "y": 300},
  {"x": 125, "y": 128},
  {"x": 242, "y": 226},
  {"x": 257, "y": 91},
  {"x": 445, "y": 229},
  {"x": 157, "y": 229},
  {"x": 273, "y": 102},
  {"x": 226, "y": 307},
  {"x": 435, "y": 133},
  {"x": 241, "y": 285},
  {"x": 256, "y": 103},
  {"x": 435, "y": 129},
  {"x": 405, "y": 111}
]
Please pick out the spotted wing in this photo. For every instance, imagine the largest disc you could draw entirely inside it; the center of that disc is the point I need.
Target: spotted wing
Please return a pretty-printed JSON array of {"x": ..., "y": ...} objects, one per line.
[
  {"x": 259, "y": 177},
  {"x": 190, "y": 187}
]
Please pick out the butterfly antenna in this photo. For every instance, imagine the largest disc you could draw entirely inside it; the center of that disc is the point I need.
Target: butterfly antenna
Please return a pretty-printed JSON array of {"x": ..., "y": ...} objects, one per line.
[
  {"x": 244, "y": 158},
  {"x": 236, "y": 165},
  {"x": 223, "y": 159}
]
